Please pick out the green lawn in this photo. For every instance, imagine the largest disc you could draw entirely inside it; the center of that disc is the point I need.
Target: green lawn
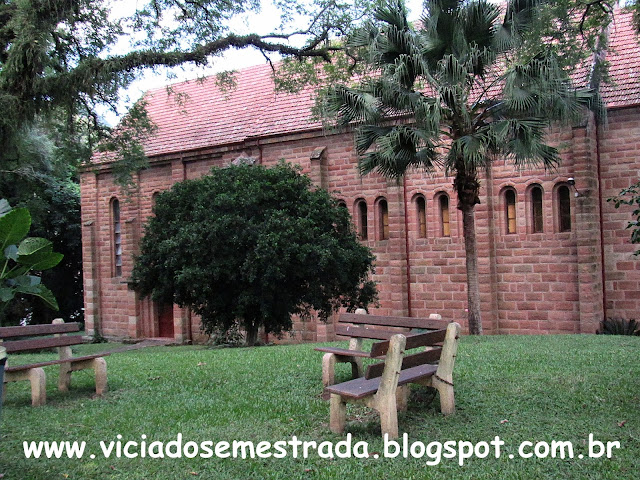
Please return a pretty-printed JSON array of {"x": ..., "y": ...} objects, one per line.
[{"x": 521, "y": 388}]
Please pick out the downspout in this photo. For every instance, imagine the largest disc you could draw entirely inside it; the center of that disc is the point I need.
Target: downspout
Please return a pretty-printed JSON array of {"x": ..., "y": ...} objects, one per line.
[
  {"x": 406, "y": 245},
  {"x": 594, "y": 83},
  {"x": 602, "y": 257}
]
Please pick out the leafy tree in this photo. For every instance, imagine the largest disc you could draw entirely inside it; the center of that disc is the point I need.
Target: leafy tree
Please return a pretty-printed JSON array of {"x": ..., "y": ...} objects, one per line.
[
  {"x": 472, "y": 89},
  {"x": 255, "y": 245},
  {"x": 22, "y": 256},
  {"x": 41, "y": 178},
  {"x": 631, "y": 196},
  {"x": 64, "y": 57}
]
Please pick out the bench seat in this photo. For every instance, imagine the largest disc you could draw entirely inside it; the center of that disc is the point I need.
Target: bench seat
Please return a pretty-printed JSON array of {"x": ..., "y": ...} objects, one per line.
[
  {"x": 19, "y": 368},
  {"x": 362, "y": 387},
  {"x": 345, "y": 352}
]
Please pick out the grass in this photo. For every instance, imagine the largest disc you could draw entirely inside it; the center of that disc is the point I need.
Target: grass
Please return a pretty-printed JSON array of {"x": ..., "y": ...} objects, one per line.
[{"x": 521, "y": 388}]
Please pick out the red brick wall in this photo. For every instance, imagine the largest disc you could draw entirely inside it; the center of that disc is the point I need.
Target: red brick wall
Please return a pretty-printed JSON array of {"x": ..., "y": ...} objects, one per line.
[
  {"x": 620, "y": 168},
  {"x": 530, "y": 282}
]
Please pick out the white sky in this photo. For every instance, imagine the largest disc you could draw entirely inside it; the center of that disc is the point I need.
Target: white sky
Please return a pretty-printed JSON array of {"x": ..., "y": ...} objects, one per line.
[{"x": 232, "y": 60}]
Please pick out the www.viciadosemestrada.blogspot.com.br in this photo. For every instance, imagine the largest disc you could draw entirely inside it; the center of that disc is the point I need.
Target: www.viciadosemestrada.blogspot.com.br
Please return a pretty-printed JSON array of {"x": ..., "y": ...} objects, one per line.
[{"x": 434, "y": 452}]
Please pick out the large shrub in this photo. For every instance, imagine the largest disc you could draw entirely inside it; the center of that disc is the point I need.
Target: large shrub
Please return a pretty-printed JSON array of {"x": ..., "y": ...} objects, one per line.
[{"x": 254, "y": 245}]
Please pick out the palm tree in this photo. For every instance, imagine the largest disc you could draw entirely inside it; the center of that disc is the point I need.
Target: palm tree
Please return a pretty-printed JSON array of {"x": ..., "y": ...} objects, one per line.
[{"x": 455, "y": 93}]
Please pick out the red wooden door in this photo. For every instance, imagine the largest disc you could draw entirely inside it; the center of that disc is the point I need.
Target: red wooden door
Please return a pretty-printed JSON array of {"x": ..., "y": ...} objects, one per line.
[{"x": 165, "y": 320}]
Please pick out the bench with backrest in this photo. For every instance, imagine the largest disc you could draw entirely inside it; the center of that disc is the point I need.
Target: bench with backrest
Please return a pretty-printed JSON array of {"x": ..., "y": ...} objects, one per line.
[
  {"x": 360, "y": 326},
  {"x": 385, "y": 385},
  {"x": 32, "y": 337}
]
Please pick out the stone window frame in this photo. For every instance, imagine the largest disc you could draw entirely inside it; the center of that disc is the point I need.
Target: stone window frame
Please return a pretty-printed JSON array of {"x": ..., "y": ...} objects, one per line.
[
  {"x": 444, "y": 215},
  {"x": 535, "y": 219},
  {"x": 420, "y": 203},
  {"x": 382, "y": 218},
  {"x": 361, "y": 211},
  {"x": 116, "y": 236},
  {"x": 563, "y": 208},
  {"x": 510, "y": 210}
]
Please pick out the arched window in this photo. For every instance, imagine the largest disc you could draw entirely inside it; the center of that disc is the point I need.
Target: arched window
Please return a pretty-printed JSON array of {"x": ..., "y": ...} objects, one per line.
[
  {"x": 117, "y": 238},
  {"x": 510, "y": 210},
  {"x": 383, "y": 219},
  {"x": 342, "y": 204},
  {"x": 361, "y": 208},
  {"x": 444, "y": 215},
  {"x": 537, "y": 218},
  {"x": 421, "y": 212},
  {"x": 564, "y": 209}
]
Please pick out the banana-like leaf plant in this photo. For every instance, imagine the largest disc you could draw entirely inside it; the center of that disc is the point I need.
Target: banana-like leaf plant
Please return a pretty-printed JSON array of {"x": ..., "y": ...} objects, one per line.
[{"x": 22, "y": 257}]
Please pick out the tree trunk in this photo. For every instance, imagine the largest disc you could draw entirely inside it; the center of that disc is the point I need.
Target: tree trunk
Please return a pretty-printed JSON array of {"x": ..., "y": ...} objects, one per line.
[
  {"x": 252, "y": 334},
  {"x": 471, "y": 254}
]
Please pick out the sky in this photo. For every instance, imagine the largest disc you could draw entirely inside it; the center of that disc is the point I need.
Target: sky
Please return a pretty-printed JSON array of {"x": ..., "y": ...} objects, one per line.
[{"x": 232, "y": 60}]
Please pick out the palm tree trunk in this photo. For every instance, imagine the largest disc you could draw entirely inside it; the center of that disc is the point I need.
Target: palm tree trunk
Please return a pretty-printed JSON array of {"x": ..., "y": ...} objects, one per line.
[{"x": 471, "y": 254}]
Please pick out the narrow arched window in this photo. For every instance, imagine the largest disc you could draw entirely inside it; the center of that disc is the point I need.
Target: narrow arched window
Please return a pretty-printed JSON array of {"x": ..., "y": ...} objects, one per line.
[
  {"x": 383, "y": 219},
  {"x": 362, "y": 219},
  {"x": 537, "y": 218},
  {"x": 444, "y": 215},
  {"x": 342, "y": 204},
  {"x": 117, "y": 238},
  {"x": 564, "y": 209},
  {"x": 421, "y": 211},
  {"x": 510, "y": 204}
]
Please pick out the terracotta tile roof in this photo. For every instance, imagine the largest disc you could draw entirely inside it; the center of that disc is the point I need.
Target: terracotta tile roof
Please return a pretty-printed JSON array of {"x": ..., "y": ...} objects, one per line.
[
  {"x": 624, "y": 63},
  {"x": 197, "y": 114}
]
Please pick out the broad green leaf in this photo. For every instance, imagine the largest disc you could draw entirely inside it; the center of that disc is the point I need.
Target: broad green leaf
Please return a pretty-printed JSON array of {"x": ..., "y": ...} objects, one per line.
[
  {"x": 32, "y": 245},
  {"x": 6, "y": 294},
  {"x": 14, "y": 226},
  {"x": 27, "y": 281},
  {"x": 4, "y": 207},
  {"x": 50, "y": 261},
  {"x": 11, "y": 252},
  {"x": 41, "y": 292},
  {"x": 18, "y": 271}
]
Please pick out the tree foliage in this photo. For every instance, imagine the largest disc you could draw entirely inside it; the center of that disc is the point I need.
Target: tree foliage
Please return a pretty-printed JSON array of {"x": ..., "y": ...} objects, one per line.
[
  {"x": 23, "y": 257},
  {"x": 631, "y": 196},
  {"x": 41, "y": 179},
  {"x": 255, "y": 245},
  {"x": 464, "y": 87},
  {"x": 69, "y": 57}
]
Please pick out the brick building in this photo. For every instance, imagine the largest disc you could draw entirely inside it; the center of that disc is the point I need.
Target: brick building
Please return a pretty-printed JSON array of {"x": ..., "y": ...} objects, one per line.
[{"x": 550, "y": 261}]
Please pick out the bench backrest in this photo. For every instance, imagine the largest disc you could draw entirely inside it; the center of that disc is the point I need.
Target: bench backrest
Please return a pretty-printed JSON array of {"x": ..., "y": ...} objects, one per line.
[
  {"x": 390, "y": 321},
  {"x": 450, "y": 334},
  {"x": 13, "y": 338},
  {"x": 356, "y": 325}
]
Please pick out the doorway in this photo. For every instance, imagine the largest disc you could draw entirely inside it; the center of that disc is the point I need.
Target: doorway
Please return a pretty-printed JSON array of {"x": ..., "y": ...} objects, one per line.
[{"x": 165, "y": 320}]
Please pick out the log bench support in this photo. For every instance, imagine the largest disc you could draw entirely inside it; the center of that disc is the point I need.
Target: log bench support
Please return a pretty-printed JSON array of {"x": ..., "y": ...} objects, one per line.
[
  {"x": 388, "y": 393},
  {"x": 35, "y": 373}
]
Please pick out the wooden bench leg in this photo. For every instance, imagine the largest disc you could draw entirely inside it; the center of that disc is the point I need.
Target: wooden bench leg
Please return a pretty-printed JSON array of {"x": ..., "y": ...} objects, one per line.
[
  {"x": 38, "y": 380},
  {"x": 447, "y": 397},
  {"x": 64, "y": 379},
  {"x": 100, "y": 369},
  {"x": 402, "y": 397},
  {"x": 328, "y": 369},
  {"x": 338, "y": 414},
  {"x": 356, "y": 368}
]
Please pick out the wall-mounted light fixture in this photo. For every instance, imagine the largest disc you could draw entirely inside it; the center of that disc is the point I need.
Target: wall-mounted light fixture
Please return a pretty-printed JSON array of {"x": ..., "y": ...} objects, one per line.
[{"x": 572, "y": 183}]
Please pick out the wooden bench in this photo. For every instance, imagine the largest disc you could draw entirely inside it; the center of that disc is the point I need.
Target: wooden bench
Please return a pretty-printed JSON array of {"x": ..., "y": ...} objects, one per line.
[
  {"x": 13, "y": 339},
  {"x": 359, "y": 326},
  {"x": 385, "y": 385}
]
